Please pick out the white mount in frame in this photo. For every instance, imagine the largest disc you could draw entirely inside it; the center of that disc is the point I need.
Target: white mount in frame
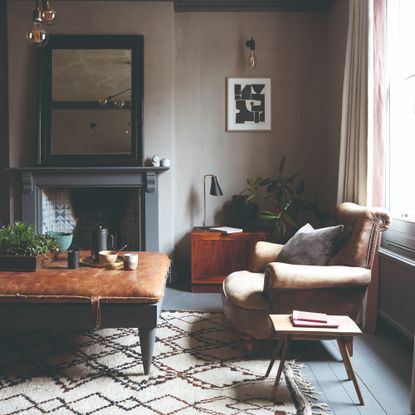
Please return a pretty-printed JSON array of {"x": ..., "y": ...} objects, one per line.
[{"x": 248, "y": 104}]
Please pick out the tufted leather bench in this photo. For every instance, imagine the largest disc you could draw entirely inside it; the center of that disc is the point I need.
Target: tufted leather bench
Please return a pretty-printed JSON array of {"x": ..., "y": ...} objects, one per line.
[{"x": 57, "y": 297}]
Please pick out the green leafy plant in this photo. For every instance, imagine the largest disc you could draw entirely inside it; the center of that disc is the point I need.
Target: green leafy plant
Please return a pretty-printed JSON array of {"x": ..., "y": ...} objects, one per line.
[
  {"x": 21, "y": 239},
  {"x": 285, "y": 195}
]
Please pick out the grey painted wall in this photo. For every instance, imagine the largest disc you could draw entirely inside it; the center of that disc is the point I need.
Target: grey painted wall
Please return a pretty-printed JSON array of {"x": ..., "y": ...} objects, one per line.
[{"x": 187, "y": 59}]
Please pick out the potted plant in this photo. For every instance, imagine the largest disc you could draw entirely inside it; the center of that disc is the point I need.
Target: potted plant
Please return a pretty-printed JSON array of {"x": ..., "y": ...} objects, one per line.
[
  {"x": 242, "y": 210},
  {"x": 21, "y": 249},
  {"x": 288, "y": 208}
]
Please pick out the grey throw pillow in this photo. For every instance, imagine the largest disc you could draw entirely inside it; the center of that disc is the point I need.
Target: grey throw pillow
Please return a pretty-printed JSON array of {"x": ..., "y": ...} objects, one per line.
[{"x": 311, "y": 246}]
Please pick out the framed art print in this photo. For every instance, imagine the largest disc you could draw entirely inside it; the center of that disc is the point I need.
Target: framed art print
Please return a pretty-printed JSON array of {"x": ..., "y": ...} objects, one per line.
[{"x": 248, "y": 104}]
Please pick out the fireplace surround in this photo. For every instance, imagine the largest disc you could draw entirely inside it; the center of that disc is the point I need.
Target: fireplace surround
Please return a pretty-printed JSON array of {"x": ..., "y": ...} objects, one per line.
[{"x": 36, "y": 182}]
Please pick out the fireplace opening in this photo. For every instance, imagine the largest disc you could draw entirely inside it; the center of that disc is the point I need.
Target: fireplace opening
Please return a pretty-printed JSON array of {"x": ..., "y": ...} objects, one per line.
[{"x": 80, "y": 210}]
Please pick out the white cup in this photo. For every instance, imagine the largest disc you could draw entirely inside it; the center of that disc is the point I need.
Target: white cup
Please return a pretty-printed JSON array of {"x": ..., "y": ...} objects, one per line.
[{"x": 130, "y": 261}]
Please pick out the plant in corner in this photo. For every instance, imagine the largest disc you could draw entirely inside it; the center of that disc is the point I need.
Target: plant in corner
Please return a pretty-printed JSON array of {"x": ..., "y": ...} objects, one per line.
[
  {"x": 242, "y": 210},
  {"x": 288, "y": 207}
]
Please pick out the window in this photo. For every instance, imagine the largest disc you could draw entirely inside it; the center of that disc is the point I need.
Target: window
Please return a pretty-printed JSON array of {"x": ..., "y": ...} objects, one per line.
[{"x": 401, "y": 155}]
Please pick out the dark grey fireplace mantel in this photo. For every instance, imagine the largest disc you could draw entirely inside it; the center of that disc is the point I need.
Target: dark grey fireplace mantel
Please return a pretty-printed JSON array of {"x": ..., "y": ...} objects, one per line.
[{"x": 34, "y": 179}]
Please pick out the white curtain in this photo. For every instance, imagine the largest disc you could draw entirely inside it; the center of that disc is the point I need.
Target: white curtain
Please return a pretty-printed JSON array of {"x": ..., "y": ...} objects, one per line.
[{"x": 353, "y": 161}]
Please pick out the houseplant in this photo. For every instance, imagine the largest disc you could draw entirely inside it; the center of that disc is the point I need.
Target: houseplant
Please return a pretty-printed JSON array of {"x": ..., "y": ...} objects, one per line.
[
  {"x": 21, "y": 249},
  {"x": 242, "y": 210},
  {"x": 286, "y": 207}
]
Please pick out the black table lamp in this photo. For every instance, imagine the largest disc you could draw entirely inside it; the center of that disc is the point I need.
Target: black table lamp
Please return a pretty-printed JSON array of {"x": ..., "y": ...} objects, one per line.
[{"x": 215, "y": 190}]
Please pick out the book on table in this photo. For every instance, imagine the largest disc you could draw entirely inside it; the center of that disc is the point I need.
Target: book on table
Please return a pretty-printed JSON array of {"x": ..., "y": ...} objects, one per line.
[
  {"x": 225, "y": 229},
  {"x": 309, "y": 319},
  {"x": 309, "y": 316}
]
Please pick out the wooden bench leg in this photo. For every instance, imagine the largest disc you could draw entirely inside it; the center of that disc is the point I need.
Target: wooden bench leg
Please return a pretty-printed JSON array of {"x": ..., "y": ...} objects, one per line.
[
  {"x": 275, "y": 353},
  {"x": 284, "y": 355},
  {"x": 348, "y": 341},
  {"x": 349, "y": 367},
  {"x": 147, "y": 340}
]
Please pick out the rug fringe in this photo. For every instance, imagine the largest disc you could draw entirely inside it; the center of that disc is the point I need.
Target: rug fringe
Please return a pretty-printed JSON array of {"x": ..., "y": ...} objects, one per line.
[{"x": 302, "y": 386}]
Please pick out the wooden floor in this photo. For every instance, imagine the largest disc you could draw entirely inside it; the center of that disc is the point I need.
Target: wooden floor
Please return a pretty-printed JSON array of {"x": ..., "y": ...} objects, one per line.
[{"x": 382, "y": 362}]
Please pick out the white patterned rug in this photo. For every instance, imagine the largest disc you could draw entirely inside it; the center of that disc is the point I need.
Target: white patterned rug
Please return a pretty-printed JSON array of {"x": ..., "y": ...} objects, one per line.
[{"x": 198, "y": 368}]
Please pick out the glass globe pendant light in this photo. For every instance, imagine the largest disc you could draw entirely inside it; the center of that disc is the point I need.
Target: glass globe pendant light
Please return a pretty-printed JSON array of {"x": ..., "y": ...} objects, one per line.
[
  {"x": 48, "y": 13},
  {"x": 36, "y": 34}
]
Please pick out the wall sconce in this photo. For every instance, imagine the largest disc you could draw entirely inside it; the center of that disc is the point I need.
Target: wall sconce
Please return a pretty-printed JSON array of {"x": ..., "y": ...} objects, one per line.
[
  {"x": 36, "y": 34},
  {"x": 215, "y": 190},
  {"x": 252, "y": 58}
]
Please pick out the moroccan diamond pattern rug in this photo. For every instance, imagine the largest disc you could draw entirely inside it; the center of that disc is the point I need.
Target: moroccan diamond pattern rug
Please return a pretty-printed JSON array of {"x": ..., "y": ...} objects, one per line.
[{"x": 198, "y": 368}]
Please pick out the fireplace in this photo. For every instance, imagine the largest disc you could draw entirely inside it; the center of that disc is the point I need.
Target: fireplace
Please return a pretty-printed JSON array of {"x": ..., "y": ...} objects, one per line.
[
  {"x": 71, "y": 199},
  {"x": 80, "y": 210}
]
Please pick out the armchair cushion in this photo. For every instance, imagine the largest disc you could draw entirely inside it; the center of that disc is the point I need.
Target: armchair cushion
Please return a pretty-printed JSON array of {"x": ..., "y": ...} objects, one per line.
[
  {"x": 311, "y": 246},
  {"x": 288, "y": 276}
]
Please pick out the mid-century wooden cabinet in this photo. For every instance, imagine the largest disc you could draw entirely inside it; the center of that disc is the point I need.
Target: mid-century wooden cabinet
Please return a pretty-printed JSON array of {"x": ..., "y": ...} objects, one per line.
[{"x": 216, "y": 255}]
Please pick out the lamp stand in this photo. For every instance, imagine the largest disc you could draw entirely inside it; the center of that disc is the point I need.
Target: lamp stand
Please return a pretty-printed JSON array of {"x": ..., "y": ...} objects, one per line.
[{"x": 204, "y": 200}]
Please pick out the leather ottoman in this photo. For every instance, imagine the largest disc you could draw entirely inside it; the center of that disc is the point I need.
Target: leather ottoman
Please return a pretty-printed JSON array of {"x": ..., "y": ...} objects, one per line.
[{"x": 58, "y": 297}]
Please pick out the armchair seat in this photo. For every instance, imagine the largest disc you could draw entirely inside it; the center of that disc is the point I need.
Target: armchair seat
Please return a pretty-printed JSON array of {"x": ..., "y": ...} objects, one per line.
[{"x": 273, "y": 287}]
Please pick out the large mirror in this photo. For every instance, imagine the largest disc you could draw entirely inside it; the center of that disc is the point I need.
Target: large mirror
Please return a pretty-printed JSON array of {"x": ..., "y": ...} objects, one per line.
[{"x": 91, "y": 100}]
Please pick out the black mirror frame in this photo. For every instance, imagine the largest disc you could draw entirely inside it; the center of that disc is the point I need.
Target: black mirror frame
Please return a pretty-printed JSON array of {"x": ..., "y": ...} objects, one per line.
[{"x": 44, "y": 71}]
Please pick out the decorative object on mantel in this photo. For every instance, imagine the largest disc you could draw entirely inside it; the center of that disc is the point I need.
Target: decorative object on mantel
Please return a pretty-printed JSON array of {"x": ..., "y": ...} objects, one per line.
[
  {"x": 252, "y": 58},
  {"x": 155, "y": 160},
  {"x": 165, "y": 162},
  {"x": 248, "y": 104},
  {"x": 215, "y": 190},
  {"x": 42, "y": 14},
  {"x": 21, "y": 249}
]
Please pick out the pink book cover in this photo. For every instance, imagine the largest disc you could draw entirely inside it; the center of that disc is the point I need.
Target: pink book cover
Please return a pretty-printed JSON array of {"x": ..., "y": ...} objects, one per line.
[
  {"x": 309, "y": 316},
  {"x": 331, "y": 323}
]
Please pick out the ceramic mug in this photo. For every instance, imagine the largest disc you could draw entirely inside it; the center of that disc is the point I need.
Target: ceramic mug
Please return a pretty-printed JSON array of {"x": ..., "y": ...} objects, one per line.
[{"x": 130, "y": 262}]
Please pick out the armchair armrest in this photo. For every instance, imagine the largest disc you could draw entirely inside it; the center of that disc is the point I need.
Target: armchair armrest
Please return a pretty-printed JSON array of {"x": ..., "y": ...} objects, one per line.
[
  {"x": 264, "y": 253},
  {"x": 279, "y": 275}
]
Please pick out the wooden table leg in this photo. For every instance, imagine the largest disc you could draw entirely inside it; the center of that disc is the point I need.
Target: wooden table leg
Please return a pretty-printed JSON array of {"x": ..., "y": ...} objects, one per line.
[
  {"x": 349, "y": 367},
  {"x": 275, "y": 353},
  {"x": 281, "y": 366},
  {"x": 349, "y": 375}
]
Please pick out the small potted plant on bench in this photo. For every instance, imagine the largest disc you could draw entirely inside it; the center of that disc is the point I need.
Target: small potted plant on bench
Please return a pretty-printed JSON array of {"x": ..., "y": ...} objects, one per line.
[{"x": 22, "y": 249}]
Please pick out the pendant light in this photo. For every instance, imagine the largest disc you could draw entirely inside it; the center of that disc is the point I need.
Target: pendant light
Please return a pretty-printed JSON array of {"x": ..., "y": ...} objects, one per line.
[
  {"x": 48, "y": 13},
  {"x": 36, "y": 34},
  {"x": 45, "y": 14}
]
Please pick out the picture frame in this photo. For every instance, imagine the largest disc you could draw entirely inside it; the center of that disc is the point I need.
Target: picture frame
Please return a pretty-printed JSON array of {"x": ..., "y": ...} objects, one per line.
[{"x": 248, "y": 104}]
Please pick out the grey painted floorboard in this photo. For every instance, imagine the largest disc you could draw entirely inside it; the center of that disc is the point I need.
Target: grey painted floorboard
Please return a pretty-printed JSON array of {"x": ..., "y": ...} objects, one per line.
[
  {"x": 371, "y": 405},
  {"x": 382, "y": 363}
]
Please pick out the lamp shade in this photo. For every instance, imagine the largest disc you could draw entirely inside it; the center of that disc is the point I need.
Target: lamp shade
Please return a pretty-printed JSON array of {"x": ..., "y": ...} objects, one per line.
[{"x": 215, "y": 189}]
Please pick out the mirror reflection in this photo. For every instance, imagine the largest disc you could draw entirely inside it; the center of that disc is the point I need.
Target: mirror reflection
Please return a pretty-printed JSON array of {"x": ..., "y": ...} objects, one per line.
[{"x": 91, "y": 101}]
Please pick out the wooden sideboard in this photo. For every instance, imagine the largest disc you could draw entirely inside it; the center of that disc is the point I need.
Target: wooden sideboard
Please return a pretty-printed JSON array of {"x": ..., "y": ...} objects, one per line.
[{"x": 216, "y": 255}]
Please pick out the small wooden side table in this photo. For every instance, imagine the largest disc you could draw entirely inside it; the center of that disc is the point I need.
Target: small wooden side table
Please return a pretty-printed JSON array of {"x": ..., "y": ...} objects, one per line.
[
  {"x": 215, "y": 256},
  {"x": 285, "y": 332}
]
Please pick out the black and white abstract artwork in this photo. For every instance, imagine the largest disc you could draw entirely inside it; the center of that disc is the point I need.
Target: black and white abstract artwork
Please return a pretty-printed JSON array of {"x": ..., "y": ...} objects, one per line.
[{"x": 248, "y": 104}]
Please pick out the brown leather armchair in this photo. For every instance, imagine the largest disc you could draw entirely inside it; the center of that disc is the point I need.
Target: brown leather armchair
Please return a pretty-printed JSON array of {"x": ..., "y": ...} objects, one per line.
[{"x": 277, "y": 288}]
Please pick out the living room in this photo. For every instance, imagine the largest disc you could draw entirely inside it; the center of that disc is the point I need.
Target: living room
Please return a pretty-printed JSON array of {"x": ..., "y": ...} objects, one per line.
[{"x": 191, "y": 51}]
